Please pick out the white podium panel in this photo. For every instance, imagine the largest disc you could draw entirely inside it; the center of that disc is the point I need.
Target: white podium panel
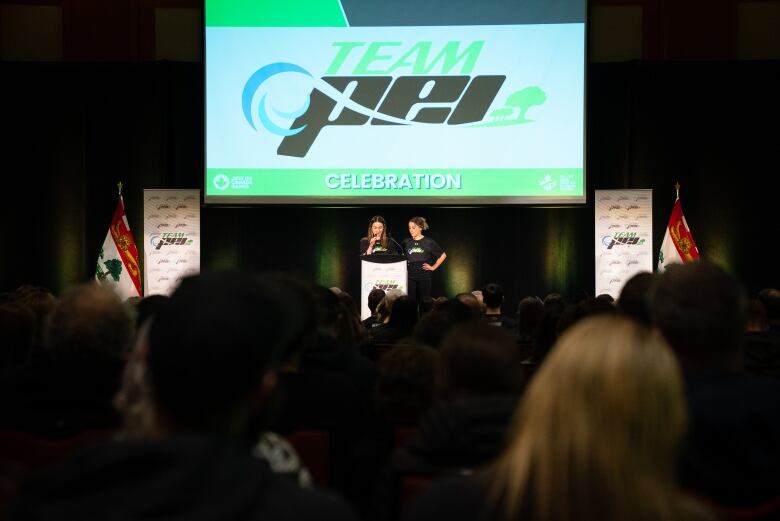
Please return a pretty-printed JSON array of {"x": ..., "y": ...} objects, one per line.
[{"x": 385, "y": 272}]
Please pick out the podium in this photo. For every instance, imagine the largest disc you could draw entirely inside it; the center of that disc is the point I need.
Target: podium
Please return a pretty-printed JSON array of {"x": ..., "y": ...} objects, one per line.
[{"x": 385, "y": 272}]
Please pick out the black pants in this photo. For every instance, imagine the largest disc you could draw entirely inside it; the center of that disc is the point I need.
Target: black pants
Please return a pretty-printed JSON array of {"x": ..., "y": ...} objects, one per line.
[{"x": 419, "y": 289}]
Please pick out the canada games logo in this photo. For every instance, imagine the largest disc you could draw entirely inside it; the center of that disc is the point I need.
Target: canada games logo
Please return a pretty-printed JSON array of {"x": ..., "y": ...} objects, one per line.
[{"x": 439, "y": 90}]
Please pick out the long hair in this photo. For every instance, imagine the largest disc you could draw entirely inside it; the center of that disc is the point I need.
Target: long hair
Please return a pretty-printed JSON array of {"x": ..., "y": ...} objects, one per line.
[
  {"x": 597, "y": 433},
  {"x": 383, "y": 238}
]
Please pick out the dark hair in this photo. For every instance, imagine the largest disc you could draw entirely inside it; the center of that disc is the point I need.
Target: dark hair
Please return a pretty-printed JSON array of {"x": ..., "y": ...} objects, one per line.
[
  {"x": 469, "y": 300},
  {"x": 633, "y": 299},
  {"x": 374, "y": 298},
  {"x": 756, "y": 316},
  {"x": 700, "y": 309},
  {"x": 148, "y": 307},
  {"x": 554, "y": 300},
  {"x": 433, "y": 327},
  {"x": 427, "y": 304},
  {"x": 770, "y": 298},
  {"x": 492, "y": 295},
  {"x": 419, "y": 221},
  {"x": 211, "y": 345},
  {"x": 403, "y": 315},
  {"x": 404, "y": 387},
  {"x": 529, "y": 312},
  {"x": 477, "y": 360},
  {"x": 587, "y": 308},
  {"x": 89, "y": 322},
  {"x": 349, "y": 330}
]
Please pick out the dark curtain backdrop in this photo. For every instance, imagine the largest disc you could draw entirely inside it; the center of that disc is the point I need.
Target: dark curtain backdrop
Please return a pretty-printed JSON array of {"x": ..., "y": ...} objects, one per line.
[{"x": 72, "y": 131}]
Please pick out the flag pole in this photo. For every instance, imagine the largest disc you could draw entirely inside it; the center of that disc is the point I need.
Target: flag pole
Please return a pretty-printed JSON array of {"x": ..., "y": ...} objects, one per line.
[{"x": 676, "y": 187}]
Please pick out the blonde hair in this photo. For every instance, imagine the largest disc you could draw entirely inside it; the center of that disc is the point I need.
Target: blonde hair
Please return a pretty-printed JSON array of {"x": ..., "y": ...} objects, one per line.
[{"x": 596, "y": 435}]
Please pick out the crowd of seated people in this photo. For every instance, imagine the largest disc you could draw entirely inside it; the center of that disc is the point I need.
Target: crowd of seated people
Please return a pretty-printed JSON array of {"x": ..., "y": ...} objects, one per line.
[{"x": 663, "y": 404}]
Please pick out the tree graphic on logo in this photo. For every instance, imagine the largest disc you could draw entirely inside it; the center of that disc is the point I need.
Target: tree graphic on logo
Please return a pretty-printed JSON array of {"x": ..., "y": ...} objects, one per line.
[
  {"x": 525, "y": 99},
  {"x": 518, "y": 102}
]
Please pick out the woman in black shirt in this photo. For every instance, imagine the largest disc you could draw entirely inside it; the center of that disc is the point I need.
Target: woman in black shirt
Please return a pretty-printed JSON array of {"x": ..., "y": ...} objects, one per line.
[
  {"x": 376, "y": 240},
  {"x": 424, "y": 256}
]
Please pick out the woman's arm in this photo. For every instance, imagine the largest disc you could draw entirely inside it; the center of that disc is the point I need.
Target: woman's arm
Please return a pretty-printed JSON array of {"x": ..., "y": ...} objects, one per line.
[{"x": 439, "y": 262}]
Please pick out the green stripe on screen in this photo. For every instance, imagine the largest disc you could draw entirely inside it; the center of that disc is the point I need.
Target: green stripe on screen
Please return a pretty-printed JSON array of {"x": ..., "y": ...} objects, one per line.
[{"x": 274, "y": 13}]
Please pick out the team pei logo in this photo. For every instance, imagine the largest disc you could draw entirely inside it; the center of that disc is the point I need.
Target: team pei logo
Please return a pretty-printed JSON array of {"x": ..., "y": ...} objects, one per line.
[{"x": 439, "y": 89}]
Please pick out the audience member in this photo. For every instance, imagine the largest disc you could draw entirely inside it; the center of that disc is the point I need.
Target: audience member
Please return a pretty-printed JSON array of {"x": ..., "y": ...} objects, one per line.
[
  {"x": 732, "y": 454},
  {"x": 71, "y": 385},
  {"x": 403, "y": 318},
  {"x": 375, "y": 296},
  {"x": 633, "y": 299},
  {"x": 471, "y": 303},
  {"x": 493, "y": 296},
  {"x": 404, "y": 389},
  {"x": 587, "y": 308},
  {"x": 770, "y": 298},
  {"x": 427, "y": 305},
  {"x": 594, "y": 438},
  {"x": 477, "y": 384},
  {"x": 349, "y": 329},
  {"x": 762, "y": 347},
  {"x": 212, "y": 369}
]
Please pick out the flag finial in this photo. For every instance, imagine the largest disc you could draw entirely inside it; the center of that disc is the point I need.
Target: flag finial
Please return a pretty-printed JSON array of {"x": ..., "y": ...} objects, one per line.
[
  {"x": 119, "y": 185},
  {"x": 676, "y": 187}
]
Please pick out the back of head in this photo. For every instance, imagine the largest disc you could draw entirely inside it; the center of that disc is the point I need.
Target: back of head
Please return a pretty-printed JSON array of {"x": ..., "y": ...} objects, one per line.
[
  {"x": 756, "y": 316},
  {"x": 587, "y": 308},
  {"x": 349, "y": 332},
  {"x": 385, "y": 307},
  {"x": 432, "y": 328},
  {"x": 700, "y": 308},
  {"x": 478, "y": 360},
  {"x": 426, "y": 306},
  {"x": 147, "y": 307},
  {"x": 404, "y": 389},
  {"x": 493, "y": 295},
  {"x": 634, "y": 297},
  {"x": 597, "y": 431},
  {"x": 210, "y": 346},
  {"x": 41, "y": 302},
  {"x": 90, "y": 322},
  {"x": 529, "y": 313},
  {"x": 404, "y": 315},
  {"x": 374, "y": 298},
  {"x": 770, "y": 298},
  {"x": 554, "y": 301},
  {"x": 471, "y": 302}
]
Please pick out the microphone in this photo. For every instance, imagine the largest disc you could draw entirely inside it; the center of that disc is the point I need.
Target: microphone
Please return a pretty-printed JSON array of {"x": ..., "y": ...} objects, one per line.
[{"x": 400, "y": 248}]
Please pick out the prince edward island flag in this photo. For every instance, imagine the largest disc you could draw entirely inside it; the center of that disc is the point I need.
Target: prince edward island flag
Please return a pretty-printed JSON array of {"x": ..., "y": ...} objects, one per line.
[
  {"x": 678, "y": 245},
  {"x": 117, "y": 265}
]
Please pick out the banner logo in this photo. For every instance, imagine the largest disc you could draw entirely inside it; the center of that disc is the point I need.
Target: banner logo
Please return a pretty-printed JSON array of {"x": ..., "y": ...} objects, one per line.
[{"x": 438, "y": 88}]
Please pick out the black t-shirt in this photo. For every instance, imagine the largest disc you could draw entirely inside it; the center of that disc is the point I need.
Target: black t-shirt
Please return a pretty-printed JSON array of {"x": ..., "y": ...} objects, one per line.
[
  {"x": 378, "y": 248},
  {"x": 420, "y": 252}
]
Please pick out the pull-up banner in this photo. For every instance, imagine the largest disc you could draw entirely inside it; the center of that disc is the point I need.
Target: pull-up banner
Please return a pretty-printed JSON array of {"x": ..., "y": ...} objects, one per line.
[
  {"x": 171, "y": 246},
  {"x": 624, "y": 237}
]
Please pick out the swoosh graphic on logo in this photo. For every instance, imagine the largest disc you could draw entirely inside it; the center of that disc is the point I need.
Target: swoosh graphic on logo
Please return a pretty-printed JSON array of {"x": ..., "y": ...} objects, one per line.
[{"x": 254, "y": 82}]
